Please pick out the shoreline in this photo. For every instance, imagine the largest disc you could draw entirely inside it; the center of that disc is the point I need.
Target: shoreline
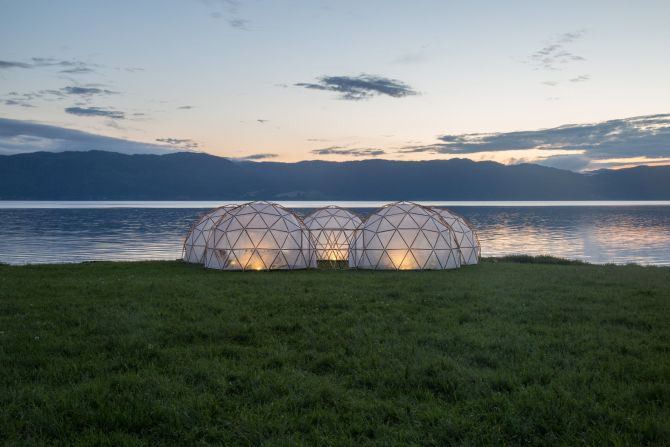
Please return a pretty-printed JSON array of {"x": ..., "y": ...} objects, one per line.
[{"x": 324, "y": 265}]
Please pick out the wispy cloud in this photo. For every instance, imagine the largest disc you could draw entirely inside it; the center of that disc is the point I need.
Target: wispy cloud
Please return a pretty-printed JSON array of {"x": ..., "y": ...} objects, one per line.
[
  {"x": 238, "y": 23},
  {"x": 4, "y": 65},
  {"x": 72, "y": 66},
  {"x": 556, "y": 54},
  {"x": 363, "y": 86},
  {"x": 256, "y": 157},
  {"x": 18, "y": 137},
  {"x": 179, "y": 143},
  {"x": 65, "y": 66},
  {"x": 95, "y": 111},
  {"x": 28, "y": 99},
  {"x": 228, "y": 10},
  {"x": 352, "y": 152},
  {"x": 77, "y": 70},
  {"x": 14, "y": 102},
  {"x": 581, "y": 78},
  {"x": 628, "y": 137},
  {"x": 86, "y": 91}
]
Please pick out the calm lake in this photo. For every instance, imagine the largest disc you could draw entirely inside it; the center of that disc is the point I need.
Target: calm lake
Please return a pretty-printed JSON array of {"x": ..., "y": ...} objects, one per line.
[{"x": 598, "y": 232}]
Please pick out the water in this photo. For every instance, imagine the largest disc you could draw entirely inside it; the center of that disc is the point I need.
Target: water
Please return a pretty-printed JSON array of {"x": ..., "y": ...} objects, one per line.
[{"x": 598, "y": 232}]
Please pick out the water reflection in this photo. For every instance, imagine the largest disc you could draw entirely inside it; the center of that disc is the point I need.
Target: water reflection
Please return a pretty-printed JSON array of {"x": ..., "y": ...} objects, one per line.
[
  {"x": 75, "y": 235},
  {"x": 600, "y": 234}
]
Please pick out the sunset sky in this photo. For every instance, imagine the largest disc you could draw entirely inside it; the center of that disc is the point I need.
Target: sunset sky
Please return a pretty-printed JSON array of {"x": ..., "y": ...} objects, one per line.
[{"x": 341, "y": 80}]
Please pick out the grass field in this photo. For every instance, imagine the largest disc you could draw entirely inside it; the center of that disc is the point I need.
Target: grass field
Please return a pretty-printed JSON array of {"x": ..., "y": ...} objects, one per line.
[{"x": 505, "y": 353}]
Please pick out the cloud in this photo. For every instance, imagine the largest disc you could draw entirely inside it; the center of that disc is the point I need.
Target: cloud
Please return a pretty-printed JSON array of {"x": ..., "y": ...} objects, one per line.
[
  {"x": 4, "y": 65},
  {"x": 18, "y": 137},
  {"x": 554, "y": 54},
  {"x": 27, "y": 99},
  {"x": 339, "y": 150},
  {"x": 238, "y": 23},
  {"x": 550, "y": 83},
  {"x": 68, "y": 66},
  {"x": 77, "y": 70},
  {"x": 629, "y": 162},
  {"x": 14, "y": 102},
  {"x": 363, "y": 86},
  {"x": 72, "y": 66},
  {"x": 575, "y": 162},
  {"x": 95, "y": 111},
  {"x": 178, "y": 142},
  {"x": 581, "y": 78},
  {"x": 255, "y": 157},
  {"x": 229, "y": 10},
  {"x": 628, "y": 137},
  {"x": 86, "y": 91}
]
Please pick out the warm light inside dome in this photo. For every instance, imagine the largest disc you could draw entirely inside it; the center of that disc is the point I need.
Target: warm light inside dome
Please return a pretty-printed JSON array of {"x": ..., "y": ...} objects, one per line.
[
  {"x": 256, "y": 265},
  {"x": 336, "y": 255},
  {"x": 399, "y": 259}
]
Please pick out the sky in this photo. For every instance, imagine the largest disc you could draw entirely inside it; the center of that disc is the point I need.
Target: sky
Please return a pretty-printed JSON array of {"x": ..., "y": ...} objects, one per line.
[{"x": 579, "y": 85}]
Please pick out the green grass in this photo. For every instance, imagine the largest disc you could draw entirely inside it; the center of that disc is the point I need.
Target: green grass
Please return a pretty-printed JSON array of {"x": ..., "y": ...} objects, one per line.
[{"x": 503, "y": 353}]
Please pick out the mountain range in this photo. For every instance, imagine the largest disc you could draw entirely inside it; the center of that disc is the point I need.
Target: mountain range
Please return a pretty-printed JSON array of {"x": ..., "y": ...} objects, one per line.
[{"x": 99, "y": 175}]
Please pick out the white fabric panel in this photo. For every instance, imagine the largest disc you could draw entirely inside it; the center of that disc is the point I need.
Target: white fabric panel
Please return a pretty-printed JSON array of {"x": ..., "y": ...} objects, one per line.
[
  {"x": 259, "y": 236},
  {"x": 195, "y": 245},
  {"x": 332, "y": 230},
  {"x": 405, "y": 235},
  {"x": 465, "y": 234}
]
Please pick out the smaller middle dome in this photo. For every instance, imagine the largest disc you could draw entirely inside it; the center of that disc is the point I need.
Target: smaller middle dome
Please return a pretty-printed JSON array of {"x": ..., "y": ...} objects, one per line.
[{"x": 332, "y": 229}]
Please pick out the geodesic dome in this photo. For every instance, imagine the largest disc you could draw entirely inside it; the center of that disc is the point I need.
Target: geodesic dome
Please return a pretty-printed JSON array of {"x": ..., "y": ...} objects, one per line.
[
  {"x": 466, "y": 236},
  {"x": 332, "y": 230},
  {"x": 404, "y": 236},
  {"x": 195, "y": 244},
  {"x": 259, "y": 236}
]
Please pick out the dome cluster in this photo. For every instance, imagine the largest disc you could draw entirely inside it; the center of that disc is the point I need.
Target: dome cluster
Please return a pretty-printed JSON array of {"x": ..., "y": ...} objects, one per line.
[{"x": 267, "y": 236}]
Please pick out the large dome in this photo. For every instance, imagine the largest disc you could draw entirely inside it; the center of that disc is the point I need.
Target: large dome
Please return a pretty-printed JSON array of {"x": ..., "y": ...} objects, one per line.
[
  {"x": 259, "y": 236},
  {"x": 466, "y": 236},
  {"x": 404, "y": 236},
  {"x": 196, "y": 241},
  {"x": 332, "y": 230}
]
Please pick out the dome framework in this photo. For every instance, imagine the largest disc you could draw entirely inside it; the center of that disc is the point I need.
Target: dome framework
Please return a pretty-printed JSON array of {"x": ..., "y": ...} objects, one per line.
[
  {"x": 332, "y": 230},
  {"x": 404, "y": 236},
  {"x": 195, "y": 245},
  {"x": 466, "y": 236},
  {"x": 260, "y": 236}
]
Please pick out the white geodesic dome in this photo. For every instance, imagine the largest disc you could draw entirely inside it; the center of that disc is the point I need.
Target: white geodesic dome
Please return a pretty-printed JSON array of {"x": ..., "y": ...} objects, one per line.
[
  {"x": 332, "y": 230},
  {"x": 466, "y": 236},
  {"x": 259, "y": 236},
  {"x": 404, "y": 236},
  {"x": 195, "y": 244}
]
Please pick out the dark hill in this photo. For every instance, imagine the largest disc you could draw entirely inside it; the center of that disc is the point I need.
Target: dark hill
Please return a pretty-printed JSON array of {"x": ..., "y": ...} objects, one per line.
[{"x": 98, "y": 175}]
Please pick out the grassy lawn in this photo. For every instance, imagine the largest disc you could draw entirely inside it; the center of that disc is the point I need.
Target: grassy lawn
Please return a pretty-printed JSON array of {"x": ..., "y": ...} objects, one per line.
[{"x": 163, "y": 353}]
